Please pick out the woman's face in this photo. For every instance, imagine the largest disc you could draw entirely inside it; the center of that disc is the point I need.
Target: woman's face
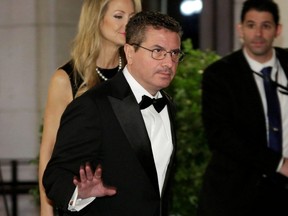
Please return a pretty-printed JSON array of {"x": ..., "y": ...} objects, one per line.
[{"x": 114, "y": 21}]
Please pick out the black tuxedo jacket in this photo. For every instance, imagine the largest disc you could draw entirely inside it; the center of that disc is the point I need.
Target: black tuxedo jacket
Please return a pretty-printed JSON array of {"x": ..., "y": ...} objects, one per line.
[
  {"x": 234, "y": 121},
  {"x": 105, "y": 126}
]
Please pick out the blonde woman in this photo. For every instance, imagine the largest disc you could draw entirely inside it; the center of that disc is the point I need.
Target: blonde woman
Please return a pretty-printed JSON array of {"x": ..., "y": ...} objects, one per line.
[{"x": 95, "y": 57}]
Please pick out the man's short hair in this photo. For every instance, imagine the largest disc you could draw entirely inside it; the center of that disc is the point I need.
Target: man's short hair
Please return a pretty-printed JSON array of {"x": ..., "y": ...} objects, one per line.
[
  {"x": 261, "y": 6},
  {"x": 137, "y": 25}
]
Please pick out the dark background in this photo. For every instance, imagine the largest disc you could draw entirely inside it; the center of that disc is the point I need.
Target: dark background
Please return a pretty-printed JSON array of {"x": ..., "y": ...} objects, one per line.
[
  {"x": 212, "y": 29},
  {"x": 190, "y": 24}
]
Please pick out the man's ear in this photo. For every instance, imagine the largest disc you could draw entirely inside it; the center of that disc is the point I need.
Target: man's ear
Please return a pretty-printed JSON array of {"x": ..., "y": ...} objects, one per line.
[
  {"x": 240, "y": 30},
  {"x": 278, "y": 30},
  {"x": 129, "y": 52}
]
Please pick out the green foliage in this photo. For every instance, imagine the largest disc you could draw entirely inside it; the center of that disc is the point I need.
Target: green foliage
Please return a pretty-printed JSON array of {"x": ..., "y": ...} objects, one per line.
[
  {"x": 36, "y": 195},
  {"x": 192, "y": 152},
  {"x": 34, "y": 191}
]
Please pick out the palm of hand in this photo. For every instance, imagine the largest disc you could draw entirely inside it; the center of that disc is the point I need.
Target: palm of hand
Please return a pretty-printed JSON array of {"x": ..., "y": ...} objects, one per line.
[{"x": 91, "y": 185}]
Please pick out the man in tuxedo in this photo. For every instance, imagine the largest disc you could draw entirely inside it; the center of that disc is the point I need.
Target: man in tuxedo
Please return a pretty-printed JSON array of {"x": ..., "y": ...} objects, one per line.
[
  {"x": 247, "y": 125},
  {"x": 115, "y": 151}
]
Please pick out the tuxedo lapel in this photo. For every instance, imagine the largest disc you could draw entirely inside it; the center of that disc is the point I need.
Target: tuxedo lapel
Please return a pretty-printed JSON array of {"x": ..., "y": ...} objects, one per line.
[
  {"x": 171, "y": 112},
  {"x": 130, "y": 118}
]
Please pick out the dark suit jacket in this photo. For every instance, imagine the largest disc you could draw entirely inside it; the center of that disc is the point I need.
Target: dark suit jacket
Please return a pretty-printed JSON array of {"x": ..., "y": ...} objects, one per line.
[
  {"x": 234, "y": 121},
  {"x": 105, "y": 126}
]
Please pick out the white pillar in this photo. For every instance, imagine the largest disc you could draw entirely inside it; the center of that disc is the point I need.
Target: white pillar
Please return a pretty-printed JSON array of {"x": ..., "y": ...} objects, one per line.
[
  {"x": 282, "y": 41},
  {"x": 164, "y": 6},
  {"x": 18, "y": 79}
]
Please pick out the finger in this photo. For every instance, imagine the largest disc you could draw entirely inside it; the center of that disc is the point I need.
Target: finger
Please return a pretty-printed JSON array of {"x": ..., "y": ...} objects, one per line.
[
  {"x": 89, "y": 173},
  {"x": 98, "y": 172},
  {"x": 76, "y": 181},
  {"x": 82, "y": 174},
  {"x": 110, "y": 191}
]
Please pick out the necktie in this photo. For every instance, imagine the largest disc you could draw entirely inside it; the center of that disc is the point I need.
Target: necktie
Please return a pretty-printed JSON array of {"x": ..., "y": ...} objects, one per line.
[
  {"x": 158, "y": 104},
  {"x": 273, "y": 110}
]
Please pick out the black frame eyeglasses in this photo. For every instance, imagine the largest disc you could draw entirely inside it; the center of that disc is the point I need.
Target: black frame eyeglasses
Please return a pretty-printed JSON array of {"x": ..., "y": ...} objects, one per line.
[{"x": 159, "y": 53}]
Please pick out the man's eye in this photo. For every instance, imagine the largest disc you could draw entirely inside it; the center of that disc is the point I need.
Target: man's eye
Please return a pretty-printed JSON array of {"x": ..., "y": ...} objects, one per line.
[
  {"x": 267, "y": 26},
  {"x": 158, "y": 50},
  {"x": 250, "y": 25},
  {"x": 175, "y": 52}
]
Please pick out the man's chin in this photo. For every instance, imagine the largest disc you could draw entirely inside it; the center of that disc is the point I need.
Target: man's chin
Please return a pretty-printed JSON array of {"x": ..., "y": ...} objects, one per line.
[{"x": 260, "y": 51}]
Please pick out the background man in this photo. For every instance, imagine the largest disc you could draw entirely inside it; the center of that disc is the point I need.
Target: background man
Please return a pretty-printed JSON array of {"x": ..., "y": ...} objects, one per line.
[{"x": 245, "y": 113}]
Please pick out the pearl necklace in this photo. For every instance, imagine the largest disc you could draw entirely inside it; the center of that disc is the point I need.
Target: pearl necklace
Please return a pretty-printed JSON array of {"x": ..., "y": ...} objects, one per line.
[{"x": 105, "y": 78}]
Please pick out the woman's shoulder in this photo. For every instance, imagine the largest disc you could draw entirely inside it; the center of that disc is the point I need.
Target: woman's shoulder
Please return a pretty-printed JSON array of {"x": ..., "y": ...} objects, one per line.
[
  {"x": 67, "y": 72},
  {"x": 60, "y": 83},
  {"x": 68, "y": 68}
]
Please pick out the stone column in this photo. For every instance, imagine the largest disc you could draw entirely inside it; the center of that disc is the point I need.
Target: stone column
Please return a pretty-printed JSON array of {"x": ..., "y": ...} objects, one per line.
[
  {"x": 35, "y": 36},
  {"x": 216, "y": 26},
  {"x": 34, "y": 40}
]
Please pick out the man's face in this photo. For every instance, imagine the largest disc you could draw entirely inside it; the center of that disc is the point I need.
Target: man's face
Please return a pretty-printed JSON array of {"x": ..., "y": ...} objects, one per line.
[
  {"x": 153, "y": 74},
  {"x": 258, "y": 31}
]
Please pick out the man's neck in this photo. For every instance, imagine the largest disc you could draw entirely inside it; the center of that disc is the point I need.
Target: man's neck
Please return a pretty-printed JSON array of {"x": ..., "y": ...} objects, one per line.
[{"x": 260, "y": 58}]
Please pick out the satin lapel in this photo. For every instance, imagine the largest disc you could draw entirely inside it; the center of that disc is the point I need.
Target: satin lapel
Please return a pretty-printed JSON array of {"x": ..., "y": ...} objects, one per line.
[
  {"x": 171, "y": 112},
  {"x": 130, "y": 118}
]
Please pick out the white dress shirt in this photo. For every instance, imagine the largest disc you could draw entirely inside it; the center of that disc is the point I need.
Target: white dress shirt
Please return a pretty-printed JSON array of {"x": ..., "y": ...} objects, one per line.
[{"x": 161, "y": 147}]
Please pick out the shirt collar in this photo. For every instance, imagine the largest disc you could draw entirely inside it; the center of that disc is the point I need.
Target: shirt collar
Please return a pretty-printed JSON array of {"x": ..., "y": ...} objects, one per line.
[
  {"x": 136, "y": 88},
  {"x": 257, "y": 66}
]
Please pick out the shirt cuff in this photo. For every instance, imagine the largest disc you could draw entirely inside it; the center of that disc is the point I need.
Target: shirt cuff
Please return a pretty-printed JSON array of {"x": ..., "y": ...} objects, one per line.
[
  {"x": 280, "y": 164},
  {"x": 77, "y": 204}
]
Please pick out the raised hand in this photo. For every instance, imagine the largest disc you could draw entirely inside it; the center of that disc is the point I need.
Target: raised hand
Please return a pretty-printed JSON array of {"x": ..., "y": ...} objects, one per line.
[{"x": 90, "y": 184}]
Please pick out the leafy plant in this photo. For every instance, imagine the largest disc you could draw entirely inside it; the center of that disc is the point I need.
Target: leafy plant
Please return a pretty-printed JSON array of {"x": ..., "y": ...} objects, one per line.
[
  {"x": 192, "y": 151},
  {"x": 34, "y": 191}
]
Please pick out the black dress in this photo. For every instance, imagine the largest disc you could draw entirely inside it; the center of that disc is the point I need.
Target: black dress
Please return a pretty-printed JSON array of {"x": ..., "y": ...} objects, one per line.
[{"x": 75, "y": 83}]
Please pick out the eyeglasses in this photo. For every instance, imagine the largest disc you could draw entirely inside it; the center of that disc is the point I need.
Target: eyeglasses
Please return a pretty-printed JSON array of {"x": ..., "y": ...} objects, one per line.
[{"x": 159, "y": 53}]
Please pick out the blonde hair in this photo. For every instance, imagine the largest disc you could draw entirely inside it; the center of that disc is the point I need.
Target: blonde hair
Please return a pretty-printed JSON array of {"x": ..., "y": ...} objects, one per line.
[{"x": 86, "y": 45}]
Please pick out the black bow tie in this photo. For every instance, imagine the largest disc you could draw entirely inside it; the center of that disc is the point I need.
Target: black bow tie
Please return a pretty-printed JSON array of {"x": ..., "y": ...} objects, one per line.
[{"x": 158, "y": 104}]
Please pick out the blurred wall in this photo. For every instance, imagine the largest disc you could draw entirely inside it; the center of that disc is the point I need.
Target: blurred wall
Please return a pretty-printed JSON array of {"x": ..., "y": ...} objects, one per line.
[
  {"x": 34, "y": 39},
  {"x": 35, "y": 36},
  {"x": 282, "y": 41}
]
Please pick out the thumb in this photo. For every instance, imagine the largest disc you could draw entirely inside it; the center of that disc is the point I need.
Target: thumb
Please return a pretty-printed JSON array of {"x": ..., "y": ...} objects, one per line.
[{"x": 110, "y": 191}]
